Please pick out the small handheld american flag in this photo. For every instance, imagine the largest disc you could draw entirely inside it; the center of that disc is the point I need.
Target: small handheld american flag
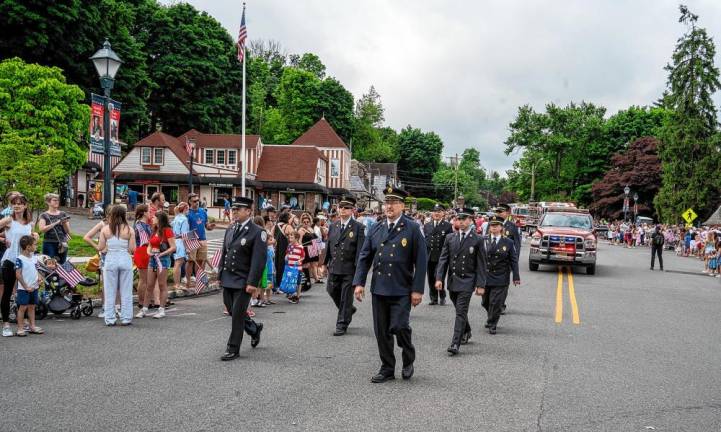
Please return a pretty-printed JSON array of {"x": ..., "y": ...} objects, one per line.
[
  {"x": 70, "y": 274},
  {"x": 142, "y": 234},
  {"x": 215, "y": 261},
  {"x": 201, "y": 281},
  {"x": 191, "y": 241},
  {"x": 158, "y": 263},
  {"x": 315, "y": 247}
]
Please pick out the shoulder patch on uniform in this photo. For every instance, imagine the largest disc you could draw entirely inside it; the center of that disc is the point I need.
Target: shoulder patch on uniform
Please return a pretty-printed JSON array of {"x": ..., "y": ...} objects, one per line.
[{"x": 263, "y": 235}]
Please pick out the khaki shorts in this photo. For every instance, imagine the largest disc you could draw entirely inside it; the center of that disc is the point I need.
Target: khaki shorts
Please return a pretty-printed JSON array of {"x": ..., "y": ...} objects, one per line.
[{"x": 200, "y": 254}]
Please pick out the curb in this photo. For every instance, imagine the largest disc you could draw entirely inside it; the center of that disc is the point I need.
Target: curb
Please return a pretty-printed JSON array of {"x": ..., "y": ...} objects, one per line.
[{"x": 213, "y": 288}]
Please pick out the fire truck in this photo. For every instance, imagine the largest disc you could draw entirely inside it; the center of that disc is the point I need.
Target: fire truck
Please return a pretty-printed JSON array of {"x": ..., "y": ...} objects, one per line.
[
  {"x": 519, "y": 213},
  {"x": 536, "y": 210}
]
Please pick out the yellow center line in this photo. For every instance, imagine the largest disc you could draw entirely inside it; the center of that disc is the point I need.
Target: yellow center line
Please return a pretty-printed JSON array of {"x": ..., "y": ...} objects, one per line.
[
  {"x": 559, "y": 296},
  {"x": 572, "y": 295}
]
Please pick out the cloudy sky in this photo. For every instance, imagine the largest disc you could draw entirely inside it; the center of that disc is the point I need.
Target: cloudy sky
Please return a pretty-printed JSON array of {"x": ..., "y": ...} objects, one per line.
[{"x": 462, "y": 68}]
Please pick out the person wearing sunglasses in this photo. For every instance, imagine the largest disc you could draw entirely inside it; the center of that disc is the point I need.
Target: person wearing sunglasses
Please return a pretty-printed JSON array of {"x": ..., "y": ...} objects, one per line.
[{"x": 198, "y": 222}]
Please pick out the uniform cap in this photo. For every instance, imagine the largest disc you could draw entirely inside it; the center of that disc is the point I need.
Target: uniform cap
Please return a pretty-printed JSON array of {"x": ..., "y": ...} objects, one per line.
[
  {"x": 464, "y": 212},
  {"x": 239, "y": 202},
  {"x": 495, "y": 220},
  {"x": 438, "y": 207},
  {"x": 347, "y": 201},
  {"x": 394, "y": 192}
]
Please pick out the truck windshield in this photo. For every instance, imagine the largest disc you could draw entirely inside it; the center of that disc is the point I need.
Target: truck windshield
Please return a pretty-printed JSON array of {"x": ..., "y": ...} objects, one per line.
[
  {"x": 521, "y": 211},
  {"x": 567, "y": 220}
]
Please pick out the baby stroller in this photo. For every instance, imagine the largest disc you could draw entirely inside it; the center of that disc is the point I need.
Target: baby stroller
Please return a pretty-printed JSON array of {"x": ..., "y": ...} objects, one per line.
[{"x": 59, "y": 296}]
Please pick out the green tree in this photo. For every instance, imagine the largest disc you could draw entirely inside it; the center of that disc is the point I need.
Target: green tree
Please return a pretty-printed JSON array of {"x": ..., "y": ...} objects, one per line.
[
  {"x": 42, "y": 122},
  {"x": 335, "y": 103},
  {"x": 311, "y": 63},
  {"x": 297, "y": 95},
  {"x": 689, "y": 149},
  {"x": 630, "y": 124},
  {"x": 420, "y": 158}
]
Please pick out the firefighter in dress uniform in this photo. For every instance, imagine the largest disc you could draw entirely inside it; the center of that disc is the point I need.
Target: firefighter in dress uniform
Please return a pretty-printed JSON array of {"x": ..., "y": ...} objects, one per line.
[
  {"x": 242, "y": 262},
  {"x": 435, "y": 232},
  {"x": 502, "y": 262},
  {"x": 396, "y": 249},
  {"x": 464, "y": 260},
  {"x": 510, "y": 230},
  {"x": 345, "y": 239}
]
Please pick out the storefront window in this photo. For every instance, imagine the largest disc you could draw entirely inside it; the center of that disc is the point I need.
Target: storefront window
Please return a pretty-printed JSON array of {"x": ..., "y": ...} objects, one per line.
[
  {"x": 296, "y": 201},
  {"x": 171, "y": 193},
  {"x": 219, "y": 193}
]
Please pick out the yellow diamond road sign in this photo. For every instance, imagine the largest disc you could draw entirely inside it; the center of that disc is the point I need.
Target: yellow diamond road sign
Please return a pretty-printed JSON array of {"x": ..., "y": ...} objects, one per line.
[{"x": 689, "y": 215}]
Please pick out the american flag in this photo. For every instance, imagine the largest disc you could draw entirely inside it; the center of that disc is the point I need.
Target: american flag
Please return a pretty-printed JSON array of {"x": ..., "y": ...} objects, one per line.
[
  {"x": 189, "y": 147},
  {"x": 315, "y": 247},
  {"x": 158, "y": 263},
  {"x": 70, "y": 274},
  {"x": 191, "y": 240},
  {"x": 201, "y": 281},
  {"x": 142, "y": 234},
  {"x": 215, "y": 261},
  {"x": 242, "y": 35}
]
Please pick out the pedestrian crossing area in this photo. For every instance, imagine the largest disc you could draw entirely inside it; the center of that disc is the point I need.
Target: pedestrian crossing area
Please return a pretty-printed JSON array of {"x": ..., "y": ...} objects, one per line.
[{"x": 214, "y": 245}]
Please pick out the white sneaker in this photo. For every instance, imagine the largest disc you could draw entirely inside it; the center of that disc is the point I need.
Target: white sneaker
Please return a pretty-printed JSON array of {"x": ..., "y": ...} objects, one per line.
[
  {"x": 101, "y": 314},
  {"x": 117, "y": 312},
  {"x": 160, "y": 314},
  {"x": 143, "y": 312},
  {"x": 7, "y": 332}
]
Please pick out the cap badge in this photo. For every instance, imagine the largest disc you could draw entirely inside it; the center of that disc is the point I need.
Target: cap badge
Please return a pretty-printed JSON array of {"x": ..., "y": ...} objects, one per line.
[{"x": 389, "y": 190}]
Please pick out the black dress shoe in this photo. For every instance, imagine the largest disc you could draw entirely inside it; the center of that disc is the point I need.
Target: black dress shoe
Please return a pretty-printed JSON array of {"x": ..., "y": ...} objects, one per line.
[
  {"x": 255, "y": 340},
  {"x": 503, "y": 310},
  {"x": 381, "y": 378},
  {"x": 492, "y": 330},
  {"x": 486, "y": 325},
  {"x": 353, "y": 311},
  {"x": 443, "y": 301},
  {"x": 452, "y": 350},
  {"x": 407, "y": 372},
  {"x": 229, "y": 356},
  {"x": 433, "y": 303},
  {"x": 339, "y": 332},
  {"x": 465, "y": 338}
]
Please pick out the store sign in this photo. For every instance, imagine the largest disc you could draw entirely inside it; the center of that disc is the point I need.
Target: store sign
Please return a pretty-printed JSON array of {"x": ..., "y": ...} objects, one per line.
[{"x": 220, "y": 185}]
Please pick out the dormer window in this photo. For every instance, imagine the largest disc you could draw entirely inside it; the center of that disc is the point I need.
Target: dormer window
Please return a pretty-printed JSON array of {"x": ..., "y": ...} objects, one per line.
[{"x": 145, "y": 156}]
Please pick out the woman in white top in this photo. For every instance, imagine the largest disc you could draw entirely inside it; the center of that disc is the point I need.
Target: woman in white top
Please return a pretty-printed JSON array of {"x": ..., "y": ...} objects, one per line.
[
  {"x": 119, "y": 240},
  {"x": 18, "y": 224}
]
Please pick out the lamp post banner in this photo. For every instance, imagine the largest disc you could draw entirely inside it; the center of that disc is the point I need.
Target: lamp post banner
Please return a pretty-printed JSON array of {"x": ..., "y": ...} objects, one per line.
[{"x": 97, "y": 134}]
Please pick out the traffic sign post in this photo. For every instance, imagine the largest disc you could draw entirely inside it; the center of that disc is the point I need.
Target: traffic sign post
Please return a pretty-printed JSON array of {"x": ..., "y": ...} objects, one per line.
[{"x": 689, "y": 216}]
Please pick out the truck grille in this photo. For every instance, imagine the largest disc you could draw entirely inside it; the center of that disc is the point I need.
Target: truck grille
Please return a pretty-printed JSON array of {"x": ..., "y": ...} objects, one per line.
[{"x": 567, "y": 242}]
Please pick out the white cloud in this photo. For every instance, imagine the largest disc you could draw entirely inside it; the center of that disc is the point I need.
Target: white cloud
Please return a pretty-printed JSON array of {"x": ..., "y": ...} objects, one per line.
[{"x": 462, "y": 68}]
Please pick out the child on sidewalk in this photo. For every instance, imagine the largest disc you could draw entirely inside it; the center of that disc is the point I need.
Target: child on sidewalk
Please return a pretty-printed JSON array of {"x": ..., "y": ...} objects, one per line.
[
  {"x": 28, "y": 282},
  {"x": 293, "y": 266}
]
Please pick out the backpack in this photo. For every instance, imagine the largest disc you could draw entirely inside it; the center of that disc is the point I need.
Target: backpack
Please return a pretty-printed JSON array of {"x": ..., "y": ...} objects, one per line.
[{"x": 658, "y": 239}]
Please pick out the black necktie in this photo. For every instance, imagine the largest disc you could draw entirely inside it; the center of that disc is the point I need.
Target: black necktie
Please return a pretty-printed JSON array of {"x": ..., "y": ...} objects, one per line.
[
  {"x": 237, "y": 228},
  {"x": 390, "y": 226},
  {"x": 463, "y": 236},
  {"x": 495, "y": 241}
]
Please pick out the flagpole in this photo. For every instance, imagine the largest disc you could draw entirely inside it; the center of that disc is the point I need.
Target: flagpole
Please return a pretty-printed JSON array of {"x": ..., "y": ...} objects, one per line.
[{"x": 242, "y": 133}]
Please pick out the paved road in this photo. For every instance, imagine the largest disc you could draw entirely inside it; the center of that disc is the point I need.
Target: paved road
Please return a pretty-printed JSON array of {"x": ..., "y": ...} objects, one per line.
[{"x": 645, "y": 354}]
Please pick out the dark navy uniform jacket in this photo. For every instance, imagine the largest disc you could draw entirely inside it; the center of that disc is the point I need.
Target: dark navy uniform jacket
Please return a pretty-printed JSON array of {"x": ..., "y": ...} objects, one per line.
[
  {"x": 398, "y": 258},
  {"x": 510, "y": 230},
  {"x": 344, "y": 247},
  {"x": 465, "y": 262},
  {"x": 243, "y": 256},
  {"x": 502, "y": 261},
  {"x": 435, "y": 237}
]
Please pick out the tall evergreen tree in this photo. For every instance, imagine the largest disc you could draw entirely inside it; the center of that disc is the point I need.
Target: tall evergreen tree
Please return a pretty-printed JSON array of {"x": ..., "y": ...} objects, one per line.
[{"x": 689, "y": 147}]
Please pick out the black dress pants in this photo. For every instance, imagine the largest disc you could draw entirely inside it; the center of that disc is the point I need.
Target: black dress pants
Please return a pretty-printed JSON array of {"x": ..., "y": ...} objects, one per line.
[
  {"x": 391, "y": 317},
  {"x": 493, "y": 299},
  {"x": 340, "y": 288},
  {"x": 657, "y": 250},
  {"x": 236, "y": 301},
  {"x": 8, "y": 276},
  {"x": 461, "y": 301},
  {"x": 432, "y": 265}
]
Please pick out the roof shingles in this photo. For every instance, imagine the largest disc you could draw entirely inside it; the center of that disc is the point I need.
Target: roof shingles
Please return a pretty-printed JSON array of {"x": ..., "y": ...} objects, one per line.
[{"x": 321, "y": 134}]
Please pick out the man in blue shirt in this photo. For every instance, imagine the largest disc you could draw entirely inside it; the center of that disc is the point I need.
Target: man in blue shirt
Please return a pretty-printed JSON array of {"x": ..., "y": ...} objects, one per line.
[
  {"x": 226, "y": 208},
  {"x": 132, "y": 199},
  {"x": 198, "y": 221}
]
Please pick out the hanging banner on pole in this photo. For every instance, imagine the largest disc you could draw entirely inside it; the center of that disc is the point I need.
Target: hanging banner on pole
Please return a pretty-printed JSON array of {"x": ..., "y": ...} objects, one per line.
[{"x": 97, "y": 134}]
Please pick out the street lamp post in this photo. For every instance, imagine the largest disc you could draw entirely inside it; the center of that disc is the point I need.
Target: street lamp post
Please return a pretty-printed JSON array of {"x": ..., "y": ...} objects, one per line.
[
  {"x": 626, "y": 191},
  {"x": 107, "y": 63},
  {"x": 635, "y": 206}
]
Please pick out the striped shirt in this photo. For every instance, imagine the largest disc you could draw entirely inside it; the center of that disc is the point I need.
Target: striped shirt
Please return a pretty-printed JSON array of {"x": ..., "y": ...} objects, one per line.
[{"x": 295, "y": 255}]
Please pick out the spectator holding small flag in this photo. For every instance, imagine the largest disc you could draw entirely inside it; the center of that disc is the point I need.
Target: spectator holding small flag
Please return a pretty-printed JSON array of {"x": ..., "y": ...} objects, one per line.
[
  {"x": 16, "y": 225},
  {"x": 160, "y": 246},
  {"x": 28, "y": 281},
  {"x": 143, "y": 230}
]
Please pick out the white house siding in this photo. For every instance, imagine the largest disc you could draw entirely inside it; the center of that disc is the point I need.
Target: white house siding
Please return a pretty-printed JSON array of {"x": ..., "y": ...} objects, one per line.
[
  {"x": 343, "y": 156},
  {"x": 171, "y": 164}
]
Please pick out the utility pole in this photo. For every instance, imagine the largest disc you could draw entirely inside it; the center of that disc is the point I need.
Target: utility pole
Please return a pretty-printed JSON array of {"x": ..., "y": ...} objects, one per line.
[
  {"x": 533, "y": 181},
  {"x": 454, "y": 164}
]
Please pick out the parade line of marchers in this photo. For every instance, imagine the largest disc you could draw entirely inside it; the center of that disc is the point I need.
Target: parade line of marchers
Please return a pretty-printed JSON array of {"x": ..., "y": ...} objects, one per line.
[{"x": 399, "y": 255}]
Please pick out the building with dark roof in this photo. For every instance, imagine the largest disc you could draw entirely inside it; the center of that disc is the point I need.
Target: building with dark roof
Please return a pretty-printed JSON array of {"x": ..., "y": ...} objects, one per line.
[{"x": 312, "y": 171}]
